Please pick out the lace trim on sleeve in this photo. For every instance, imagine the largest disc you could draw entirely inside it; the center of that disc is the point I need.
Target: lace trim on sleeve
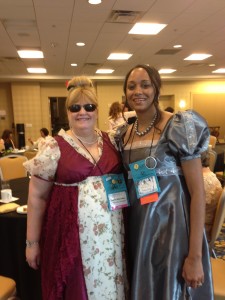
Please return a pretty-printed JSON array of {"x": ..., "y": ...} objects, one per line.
[
  {"x": 190, "y": 131},
  {"x": 44, "y": 164}
]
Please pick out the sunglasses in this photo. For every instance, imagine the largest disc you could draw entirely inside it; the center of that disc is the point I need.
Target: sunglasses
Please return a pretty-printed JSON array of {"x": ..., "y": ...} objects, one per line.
[{"x": 77, "y": 107}]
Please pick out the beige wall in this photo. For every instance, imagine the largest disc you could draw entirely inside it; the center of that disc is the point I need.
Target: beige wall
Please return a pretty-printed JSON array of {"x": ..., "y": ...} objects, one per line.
[
  {"x": 206, "y": 97},
  {"x": 28, "y": 102},
  {"x": 27, "y": 107},
  {"x": 211, "y": 107},
  {"x": 108, "y": 92},
  {"x": 6, "y": 108}
]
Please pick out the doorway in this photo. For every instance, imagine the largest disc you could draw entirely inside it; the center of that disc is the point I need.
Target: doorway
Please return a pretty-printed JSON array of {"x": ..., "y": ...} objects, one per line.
[
  {"x": 58, "y": 114},
  {"x": 166, "y": 100}
]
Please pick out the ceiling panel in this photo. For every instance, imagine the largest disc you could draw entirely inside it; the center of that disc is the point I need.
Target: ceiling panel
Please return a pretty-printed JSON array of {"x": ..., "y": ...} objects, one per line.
[{"x": 199, "y": 25}]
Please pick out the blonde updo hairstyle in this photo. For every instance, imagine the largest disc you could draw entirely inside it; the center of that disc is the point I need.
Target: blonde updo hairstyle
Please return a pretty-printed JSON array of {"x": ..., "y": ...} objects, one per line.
[{"x": 81, "y": 87}]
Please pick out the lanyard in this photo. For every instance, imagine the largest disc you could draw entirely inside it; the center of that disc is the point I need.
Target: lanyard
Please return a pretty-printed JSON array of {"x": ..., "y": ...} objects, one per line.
[{"x": 91, "y": 156}]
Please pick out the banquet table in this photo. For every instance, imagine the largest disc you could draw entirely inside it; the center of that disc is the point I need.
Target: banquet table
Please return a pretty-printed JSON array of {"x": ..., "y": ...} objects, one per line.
[{"x": 12, "y": 248}]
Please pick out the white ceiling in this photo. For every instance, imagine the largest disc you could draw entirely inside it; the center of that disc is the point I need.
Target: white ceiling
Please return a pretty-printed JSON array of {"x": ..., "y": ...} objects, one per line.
[{"x": 54, "y": 26}]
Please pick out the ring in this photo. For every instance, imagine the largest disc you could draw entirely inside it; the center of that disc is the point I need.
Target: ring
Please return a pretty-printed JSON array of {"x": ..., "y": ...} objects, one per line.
[{"x": 199, "y": 284}]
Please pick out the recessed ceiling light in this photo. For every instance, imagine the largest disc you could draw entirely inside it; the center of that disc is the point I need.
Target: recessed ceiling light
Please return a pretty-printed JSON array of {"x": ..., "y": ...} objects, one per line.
[
  {"x": 37, "y": 70},
  {"x": 104, "y": 71},
  {"x": 80, "y": 44},
  {"x": 147, "y": 28},
  {"x": 166, "y": 71},
  {"x": 119, "y": 56},
  {"x": 177, "y": 46},
  {"x": 197, "y": 56},
  {"x": 94, "y": 1},
  {"x": 73, "y": 65},
  {"x": 30, "y": 53},
  {"x": 221, "y": 70}
]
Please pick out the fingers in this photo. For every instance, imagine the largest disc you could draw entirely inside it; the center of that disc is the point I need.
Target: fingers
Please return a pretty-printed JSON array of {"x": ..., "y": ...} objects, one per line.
[
  {"x": 199, "y": 284},
  {"x": 194, "y": 284},
  {"x": 193, "y": 273},
  {"x": 33, "y": 264}
]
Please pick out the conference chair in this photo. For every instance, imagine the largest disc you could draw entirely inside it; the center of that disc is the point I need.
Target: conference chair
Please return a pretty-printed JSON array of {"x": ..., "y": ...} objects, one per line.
[
  {"x": 218, "y": 222},
  {"x": 11, "y": 167},
  {"x": 218, "y": 265},
  {"x": 212, "y": 159},
  {"x": 212, "y": 141},
  {"x": 218, "y": 274},
  {"x": 7, "y": 288},
  {"x": 30, "y": 154}
]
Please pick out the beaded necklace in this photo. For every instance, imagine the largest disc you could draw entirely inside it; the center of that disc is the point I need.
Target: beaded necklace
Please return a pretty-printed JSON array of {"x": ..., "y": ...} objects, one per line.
[
  {"x": 84, "y": 142},
  {"x": 142, "y": 133}
]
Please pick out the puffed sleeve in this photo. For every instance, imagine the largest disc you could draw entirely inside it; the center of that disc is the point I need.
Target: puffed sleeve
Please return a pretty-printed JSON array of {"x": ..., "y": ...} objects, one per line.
[
  {"x": 188, "y": 135},
  {"x": 45, "y": 163}
]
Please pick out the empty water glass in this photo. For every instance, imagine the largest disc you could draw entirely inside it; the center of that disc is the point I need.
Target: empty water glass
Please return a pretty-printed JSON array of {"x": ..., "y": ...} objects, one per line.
[{"x": 5, "y": 185}]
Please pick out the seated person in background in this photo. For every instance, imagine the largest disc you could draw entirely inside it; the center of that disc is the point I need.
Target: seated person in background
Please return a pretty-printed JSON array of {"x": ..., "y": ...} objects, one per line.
[
  {"x": 170, "y": 109},
  {"x": 213, "y": 190},
  {"x": 2, "y": 146},
  {"x": 118, "y": 115},
  {"x": 42, "y": 140},
  {"x": 7, "y": 138}
]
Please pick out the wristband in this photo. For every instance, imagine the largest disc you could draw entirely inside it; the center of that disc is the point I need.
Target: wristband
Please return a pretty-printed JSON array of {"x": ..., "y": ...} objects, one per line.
[{"x": 29, "y": 244}]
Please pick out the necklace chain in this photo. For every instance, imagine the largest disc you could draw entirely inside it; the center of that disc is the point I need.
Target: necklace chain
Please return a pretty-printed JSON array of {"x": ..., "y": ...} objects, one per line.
[
  {"x": 84, "y": 142},
  {"x": 142, "y": 133}
]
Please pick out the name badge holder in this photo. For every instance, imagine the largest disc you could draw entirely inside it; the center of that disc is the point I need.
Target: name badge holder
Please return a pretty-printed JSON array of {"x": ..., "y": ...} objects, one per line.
[
  {"x": 145, "y": 181},
  {"x": 116, "y": 191}
]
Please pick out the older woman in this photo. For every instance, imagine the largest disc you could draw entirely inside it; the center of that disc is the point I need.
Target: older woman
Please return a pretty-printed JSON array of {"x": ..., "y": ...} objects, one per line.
[
  {"x": 213, "y": 190},
  {"x": 168, "y": 252},
  {"x": 71, "y": 232}
]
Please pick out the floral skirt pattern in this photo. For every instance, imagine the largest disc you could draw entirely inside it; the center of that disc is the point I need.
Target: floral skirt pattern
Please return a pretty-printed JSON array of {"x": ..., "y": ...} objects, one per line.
[{"x": 101, "y": 241}]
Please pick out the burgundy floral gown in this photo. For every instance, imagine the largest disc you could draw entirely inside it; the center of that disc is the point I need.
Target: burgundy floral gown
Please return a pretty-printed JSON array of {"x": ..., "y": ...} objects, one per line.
[{"x": 82, "y": 241}]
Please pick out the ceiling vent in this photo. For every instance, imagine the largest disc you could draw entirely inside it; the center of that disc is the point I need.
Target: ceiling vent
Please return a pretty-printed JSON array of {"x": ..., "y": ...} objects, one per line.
[
  {"x": 10, "y": 59},
  {"x": 168, "y": 51},
  {"x": 124, "y": 16},
  {"x": 197, "y": 65},
  {"x": 95, "y": 65}
]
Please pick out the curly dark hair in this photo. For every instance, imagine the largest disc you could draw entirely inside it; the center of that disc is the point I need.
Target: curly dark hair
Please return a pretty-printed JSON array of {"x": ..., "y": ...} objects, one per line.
[{"x": 45, "y": 131}]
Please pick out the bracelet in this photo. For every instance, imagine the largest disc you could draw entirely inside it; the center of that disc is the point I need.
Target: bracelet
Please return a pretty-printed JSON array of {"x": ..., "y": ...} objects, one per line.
[{"x": 31, "y": 243}]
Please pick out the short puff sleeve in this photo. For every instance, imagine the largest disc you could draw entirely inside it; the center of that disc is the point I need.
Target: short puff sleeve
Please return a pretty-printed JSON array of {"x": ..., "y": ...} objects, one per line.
[
  {"x": 188, "y": 135},
  {"x": 45, "y": 163}
]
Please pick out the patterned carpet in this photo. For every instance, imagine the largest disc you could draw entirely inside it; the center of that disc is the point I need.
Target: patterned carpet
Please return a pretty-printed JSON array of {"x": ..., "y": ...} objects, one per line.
[{"x": 220, "y": 244}]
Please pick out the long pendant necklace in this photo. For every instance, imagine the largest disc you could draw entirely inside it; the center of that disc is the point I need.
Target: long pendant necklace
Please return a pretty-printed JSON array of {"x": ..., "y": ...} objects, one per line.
[
  {"x": 95, "y": 162},
  {"x": 142, "y": 133},
  {"x": 84, "y": 142},
  {"x": 150, "y": 161}
]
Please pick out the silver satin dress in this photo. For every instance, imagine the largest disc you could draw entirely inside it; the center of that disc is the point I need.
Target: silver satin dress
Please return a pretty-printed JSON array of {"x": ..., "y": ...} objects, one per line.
[{"x": 158, "y": 233}]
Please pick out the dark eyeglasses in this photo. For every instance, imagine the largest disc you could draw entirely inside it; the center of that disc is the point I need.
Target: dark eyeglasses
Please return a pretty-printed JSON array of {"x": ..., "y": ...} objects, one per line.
[{"x": 77, "y": 107}]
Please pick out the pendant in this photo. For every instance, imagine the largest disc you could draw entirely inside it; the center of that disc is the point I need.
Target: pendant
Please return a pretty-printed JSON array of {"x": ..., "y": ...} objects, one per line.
[{"x": 150, "y": 162}]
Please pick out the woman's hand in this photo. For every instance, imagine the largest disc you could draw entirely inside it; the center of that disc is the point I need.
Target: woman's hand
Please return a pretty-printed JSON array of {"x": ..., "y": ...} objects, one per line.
[
  {"x": 33, "y": 256},
  {"x": 193, "y": 272}
]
